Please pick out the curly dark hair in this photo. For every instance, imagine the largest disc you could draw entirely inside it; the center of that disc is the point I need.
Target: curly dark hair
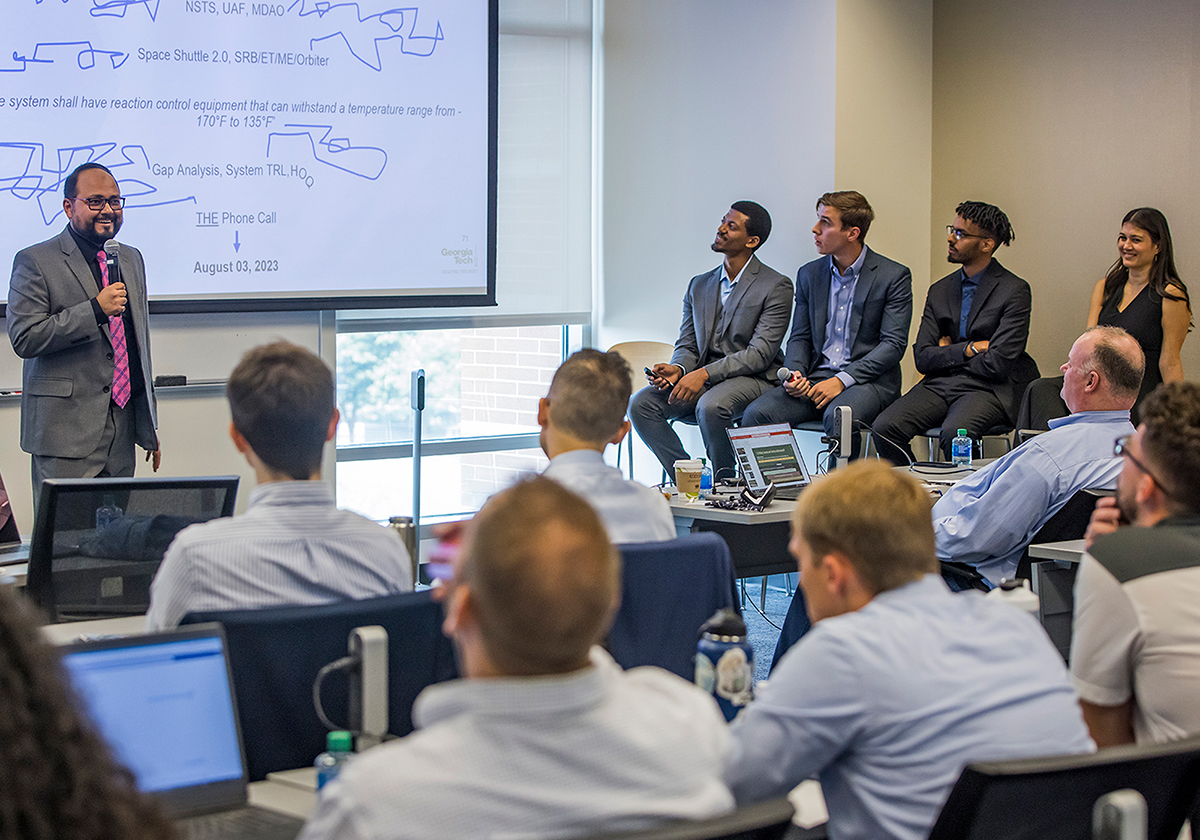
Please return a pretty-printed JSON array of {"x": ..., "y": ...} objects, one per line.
[
  {"x": 1171, "y": 416},
  {"x": 990, "y": 218},
  {"x": 58, "y": 778}
]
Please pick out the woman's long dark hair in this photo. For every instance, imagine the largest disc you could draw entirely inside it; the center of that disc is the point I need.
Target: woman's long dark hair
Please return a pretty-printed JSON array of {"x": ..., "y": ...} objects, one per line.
[
  {"x": 1163, "y": 272},
  {"x": 58, "y": 780}
]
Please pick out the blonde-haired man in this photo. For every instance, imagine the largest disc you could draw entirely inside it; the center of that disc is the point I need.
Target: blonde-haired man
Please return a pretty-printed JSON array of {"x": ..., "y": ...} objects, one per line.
[
  {"x": 583, "y": 413},
  {"x": 546, "y": 736},
  {"x": 901, "y": 682}
]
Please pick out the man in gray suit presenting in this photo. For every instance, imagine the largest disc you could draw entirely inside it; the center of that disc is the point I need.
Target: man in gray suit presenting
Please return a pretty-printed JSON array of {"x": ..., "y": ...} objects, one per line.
[
  {"x": 87, "y": 392},
  {"x": 850, "y": 327},
  {"x": 730, "y": 344}
]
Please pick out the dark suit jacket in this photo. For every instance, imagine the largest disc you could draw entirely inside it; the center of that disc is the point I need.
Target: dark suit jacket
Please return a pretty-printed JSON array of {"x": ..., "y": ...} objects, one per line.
[
  {"x": 68, "y": 357},
  {"x": 999, "y": 314},
  {"x": 751, "y": 329},
  {"x": 879, "y": 320}
]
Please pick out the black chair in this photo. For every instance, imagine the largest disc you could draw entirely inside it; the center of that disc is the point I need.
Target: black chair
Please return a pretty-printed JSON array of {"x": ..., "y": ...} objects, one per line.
[
  {"x": 1053, "y": 797},
  {"x": 1068, "y": 523},
  {"x": 762, "y": 821},
  {"x": 275, "y": 654},
  {"x": 668, "y": 590}
]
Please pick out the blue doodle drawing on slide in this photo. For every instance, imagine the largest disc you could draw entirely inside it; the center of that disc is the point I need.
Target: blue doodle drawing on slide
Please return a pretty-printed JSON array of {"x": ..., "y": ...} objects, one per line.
[
  {"x": 117, "y": 8},
  {"x": 28, "y": 173},
  {"x": 360, "y": 30},
  {"x": 364, "y": 161},
  {"x": 85, "y": 57},
  {"x": 373, "y": 29}
]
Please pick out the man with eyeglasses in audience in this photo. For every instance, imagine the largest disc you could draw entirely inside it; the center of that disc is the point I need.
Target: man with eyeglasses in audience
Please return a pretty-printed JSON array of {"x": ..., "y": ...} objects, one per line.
[
  {"x": 87, "y": 392},
  {"x": 1135, "y": 650},
  {"x": 987, "y": 520},
  {"x": 970, "y": 346}
]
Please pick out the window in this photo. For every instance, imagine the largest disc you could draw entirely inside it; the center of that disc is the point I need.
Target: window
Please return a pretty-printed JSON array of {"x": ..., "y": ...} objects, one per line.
[{"x": 479, "y": 426}]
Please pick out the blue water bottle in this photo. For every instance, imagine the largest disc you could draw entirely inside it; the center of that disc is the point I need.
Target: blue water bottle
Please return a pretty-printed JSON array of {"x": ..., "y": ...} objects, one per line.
[
  {"x": 706, "y": 480},
  {"x": 725, "y": 662},
  {"x": 960, "y": 449},
  {"x": 337, "y": 752}
]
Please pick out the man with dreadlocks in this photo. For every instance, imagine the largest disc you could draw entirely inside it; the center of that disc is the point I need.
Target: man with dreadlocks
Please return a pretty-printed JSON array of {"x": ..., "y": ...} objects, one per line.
[{"x": 970, "y": 345}]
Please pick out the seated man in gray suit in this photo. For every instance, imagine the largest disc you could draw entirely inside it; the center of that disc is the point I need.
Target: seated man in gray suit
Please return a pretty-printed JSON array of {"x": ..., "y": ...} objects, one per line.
[
  {"x": 730, "y": 344},
  {"x": 850, "y": 327}
]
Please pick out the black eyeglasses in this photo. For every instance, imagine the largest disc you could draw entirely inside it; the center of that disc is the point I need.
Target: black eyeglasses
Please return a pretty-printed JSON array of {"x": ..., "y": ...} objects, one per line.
[
  {"x": 960, "y": 234},
  {"x": 1121, "y": 450},
  {"x": 116, "y": 202}
]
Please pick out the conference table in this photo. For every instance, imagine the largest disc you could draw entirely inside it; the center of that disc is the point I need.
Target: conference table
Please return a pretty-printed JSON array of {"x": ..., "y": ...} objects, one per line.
[
  {"x": 1052, "y": 572},
  {"x": 757, "y": 540}
]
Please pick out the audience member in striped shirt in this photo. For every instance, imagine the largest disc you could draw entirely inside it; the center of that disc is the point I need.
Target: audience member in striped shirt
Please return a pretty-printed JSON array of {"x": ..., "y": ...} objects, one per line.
[{"x": 292, "y": 546}]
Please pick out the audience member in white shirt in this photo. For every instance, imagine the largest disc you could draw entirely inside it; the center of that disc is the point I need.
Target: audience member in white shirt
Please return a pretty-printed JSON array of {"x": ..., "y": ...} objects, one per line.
[
  {"x": 546, "y": 736},
  {"x": 583, "y": 413}
]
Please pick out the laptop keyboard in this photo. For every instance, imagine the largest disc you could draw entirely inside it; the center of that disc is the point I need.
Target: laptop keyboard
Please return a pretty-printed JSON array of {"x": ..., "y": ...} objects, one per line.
[
  {"x": 257, "y": 823},
  {"x": 788, "y": 494}
]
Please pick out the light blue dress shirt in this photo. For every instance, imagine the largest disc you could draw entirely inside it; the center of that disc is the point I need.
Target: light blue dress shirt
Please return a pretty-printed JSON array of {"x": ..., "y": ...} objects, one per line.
[
  {"x": 631, "y": 512},
  {"x": 292, "y": 547},
  {"x": 989, "y": 518},
  {"x": 590, "y": 752},
  {"x": 836, "y": 350},
  {"x": 887, "y": 704}
]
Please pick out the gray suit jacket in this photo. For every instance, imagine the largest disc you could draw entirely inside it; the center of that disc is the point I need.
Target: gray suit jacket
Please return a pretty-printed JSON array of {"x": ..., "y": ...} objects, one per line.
[
  {"x": 879, "y": 320},
  {"x": 68, "y": 366},
  {"x": 749, "y": 337}
]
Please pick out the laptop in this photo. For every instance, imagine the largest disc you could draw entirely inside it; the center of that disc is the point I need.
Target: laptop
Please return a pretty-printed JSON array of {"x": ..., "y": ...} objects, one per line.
[
  {"x": 10, "y": 537},
  {"x": 769, "y": 455},
  {"x": 164, "y": 702}
]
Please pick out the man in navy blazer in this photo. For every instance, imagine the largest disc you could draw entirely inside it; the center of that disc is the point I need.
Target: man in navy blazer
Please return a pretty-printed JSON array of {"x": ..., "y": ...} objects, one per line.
[
  {"x": 60, "y": 322},
  {"x": 970, "y": 345},
  {"x": 730, "y": 344},
  {"x": 850, "y": 327}
]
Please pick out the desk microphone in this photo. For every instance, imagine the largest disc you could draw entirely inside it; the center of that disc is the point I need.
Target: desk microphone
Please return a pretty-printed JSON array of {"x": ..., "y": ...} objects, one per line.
[
  {"x": 783, "y": 373},
  {"x": 112, "y": 250}
]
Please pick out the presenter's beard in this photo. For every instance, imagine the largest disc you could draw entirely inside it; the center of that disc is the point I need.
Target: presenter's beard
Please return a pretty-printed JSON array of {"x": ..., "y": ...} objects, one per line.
[{"x": 99, "y": 233}]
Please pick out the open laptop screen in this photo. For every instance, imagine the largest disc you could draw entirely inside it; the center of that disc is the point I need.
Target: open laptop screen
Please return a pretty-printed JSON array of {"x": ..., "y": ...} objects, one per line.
[
  {"x": 165, "y": 708},
  {"x": 97, "y": 542},
  {"x": 768, "y": 454}
]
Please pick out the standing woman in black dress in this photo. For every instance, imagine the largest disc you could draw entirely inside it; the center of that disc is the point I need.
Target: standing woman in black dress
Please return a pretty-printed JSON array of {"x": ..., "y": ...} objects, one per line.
[{"x": 1143, "y": 295}]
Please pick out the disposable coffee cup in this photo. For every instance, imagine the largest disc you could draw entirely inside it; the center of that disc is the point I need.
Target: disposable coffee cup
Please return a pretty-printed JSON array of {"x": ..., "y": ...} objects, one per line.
[{"x": 687, "y": 478}]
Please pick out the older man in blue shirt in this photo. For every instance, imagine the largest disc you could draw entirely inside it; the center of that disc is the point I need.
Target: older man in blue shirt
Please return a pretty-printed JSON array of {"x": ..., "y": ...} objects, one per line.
[
  {"x": 987, "y": 520},
  {"x": 901, "y": 682}
]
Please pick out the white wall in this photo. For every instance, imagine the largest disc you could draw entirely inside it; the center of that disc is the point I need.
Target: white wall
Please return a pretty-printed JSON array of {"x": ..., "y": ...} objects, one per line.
[{"x": 705, "y": 103}]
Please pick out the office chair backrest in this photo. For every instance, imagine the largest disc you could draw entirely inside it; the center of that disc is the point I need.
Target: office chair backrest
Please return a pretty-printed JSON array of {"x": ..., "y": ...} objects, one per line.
[
  {"x": 768, "y": 820},
  {"x": 276, "y": 653},
  {"x": 668, "y": 590},
  {"x": 1053, "y": 797},
  {"x": 1068, "y": 523}
]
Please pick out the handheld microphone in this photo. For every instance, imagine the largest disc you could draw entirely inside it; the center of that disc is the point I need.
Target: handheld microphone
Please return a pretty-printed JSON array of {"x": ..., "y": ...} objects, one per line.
[
  {"x": 112, "y": 251},
  {"x": 783, "y": 373}
]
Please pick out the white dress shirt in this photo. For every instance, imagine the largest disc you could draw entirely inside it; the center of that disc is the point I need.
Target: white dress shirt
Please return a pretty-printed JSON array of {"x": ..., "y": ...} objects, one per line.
[{"x": 631, "y": 512}]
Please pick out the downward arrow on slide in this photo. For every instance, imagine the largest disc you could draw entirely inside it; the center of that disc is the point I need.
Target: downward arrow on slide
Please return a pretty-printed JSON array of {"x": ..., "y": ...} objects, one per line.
[{"x": 237, "y": 246}]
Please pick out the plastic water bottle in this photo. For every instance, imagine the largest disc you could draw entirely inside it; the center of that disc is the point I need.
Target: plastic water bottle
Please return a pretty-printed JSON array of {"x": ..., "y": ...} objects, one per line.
[
  {"x": 705, "y": 480},
  {"x": 337, "y": 753},
  {"x": 725, "y": 662},
  {"x": 960, "y": 449},
  {"x": 108, "y": 512}
]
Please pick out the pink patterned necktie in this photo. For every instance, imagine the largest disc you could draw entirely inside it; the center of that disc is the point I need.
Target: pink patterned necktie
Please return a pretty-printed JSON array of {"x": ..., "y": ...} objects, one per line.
[{"x": 120, "y": 387}]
